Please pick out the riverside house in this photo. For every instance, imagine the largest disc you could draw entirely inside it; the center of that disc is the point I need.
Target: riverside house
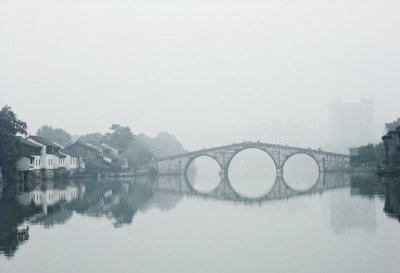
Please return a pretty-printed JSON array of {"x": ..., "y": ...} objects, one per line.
[
  {"x": 106, "y": 156},
  {"x": 44, "y": 159}
]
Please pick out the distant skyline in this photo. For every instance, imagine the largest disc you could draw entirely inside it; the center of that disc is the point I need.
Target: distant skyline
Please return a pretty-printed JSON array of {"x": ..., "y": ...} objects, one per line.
[{"x": 208, "y": 72}]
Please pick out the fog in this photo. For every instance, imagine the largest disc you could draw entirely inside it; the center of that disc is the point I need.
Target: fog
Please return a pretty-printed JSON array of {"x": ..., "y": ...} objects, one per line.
[{"x": 210, "y": 72}]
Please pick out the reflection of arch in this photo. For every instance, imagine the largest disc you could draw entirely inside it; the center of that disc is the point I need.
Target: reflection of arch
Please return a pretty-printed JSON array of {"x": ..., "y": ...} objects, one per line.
[
  {"x": 247, "y": 198},
  {"x": 310, "y": 189},
  {"x": 246, "y": 148},
  {"x": 302, "y": 153},
  {"x": 185, "y": 172}
]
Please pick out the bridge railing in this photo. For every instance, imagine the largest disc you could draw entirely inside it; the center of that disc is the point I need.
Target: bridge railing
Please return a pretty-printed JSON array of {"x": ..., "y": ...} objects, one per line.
[{"x": 250, "y": 145}]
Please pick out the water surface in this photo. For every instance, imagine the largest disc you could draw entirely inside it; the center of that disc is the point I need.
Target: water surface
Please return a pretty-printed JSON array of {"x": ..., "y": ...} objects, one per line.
[{"x": 339, "y": 223}]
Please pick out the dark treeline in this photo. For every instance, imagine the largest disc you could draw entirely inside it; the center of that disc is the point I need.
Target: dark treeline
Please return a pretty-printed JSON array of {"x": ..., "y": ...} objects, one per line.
[
  {"x": 373, "y": 154},
  {"x": 10, "y": 147},
  {"x": 136, "y": 149}
]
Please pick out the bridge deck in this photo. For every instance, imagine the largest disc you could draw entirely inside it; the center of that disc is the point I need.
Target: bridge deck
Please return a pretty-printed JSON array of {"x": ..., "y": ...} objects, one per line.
[{"x": 249, "y": 145}]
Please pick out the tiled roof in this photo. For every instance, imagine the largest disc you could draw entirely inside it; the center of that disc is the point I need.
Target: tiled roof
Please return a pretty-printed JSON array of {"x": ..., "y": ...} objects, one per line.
[
  {"x": 94, "y": 146},
  {"x": 87, "y": 145},
  {"x": 113, "y": 157},
  {"x": 112, "y": 146},
  {"x": 67, "y": 152},
  {"x": 57, "y": 153},
  {"x": 57, "y": 144},
  {"x": 27, "y": 142},
  {"x": 41, "y": 140}
]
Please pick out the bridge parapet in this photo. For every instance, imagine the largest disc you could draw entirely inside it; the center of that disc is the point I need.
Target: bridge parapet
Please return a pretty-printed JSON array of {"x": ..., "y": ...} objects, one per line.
[{"x": 179, "y": 164}]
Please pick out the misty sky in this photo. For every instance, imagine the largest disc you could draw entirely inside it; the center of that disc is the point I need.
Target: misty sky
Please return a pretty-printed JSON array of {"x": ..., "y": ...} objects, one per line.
[{"x": 210, "y": 72}]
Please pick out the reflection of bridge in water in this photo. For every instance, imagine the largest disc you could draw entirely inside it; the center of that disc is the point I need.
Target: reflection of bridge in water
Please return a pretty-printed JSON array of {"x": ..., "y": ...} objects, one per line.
[
  {"x": 223, "y": 155},
  {"x": 224, "y": 191}
]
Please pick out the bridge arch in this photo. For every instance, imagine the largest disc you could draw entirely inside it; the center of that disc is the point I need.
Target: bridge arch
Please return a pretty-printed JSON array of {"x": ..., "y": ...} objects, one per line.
[
  {"x": 186, "y": 168},
  {"x": 320, "y": 168},
  {"x": 197, "y": 156},
  {"x": 228, "y": 163}
]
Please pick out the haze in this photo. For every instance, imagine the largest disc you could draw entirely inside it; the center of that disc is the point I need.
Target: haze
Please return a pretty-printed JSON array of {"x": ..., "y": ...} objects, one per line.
[{"x": 210, "y": 72}]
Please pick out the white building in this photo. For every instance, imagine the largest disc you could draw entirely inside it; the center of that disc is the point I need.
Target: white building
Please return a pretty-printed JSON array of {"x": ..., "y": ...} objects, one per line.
[
  {"x": 114, "y": 154},
  {"x": 67, "y": 160},
  {"x": 31, "y": 156},
  {"x": 40, "y": 154},
  {"x": 49, "y": 160}
]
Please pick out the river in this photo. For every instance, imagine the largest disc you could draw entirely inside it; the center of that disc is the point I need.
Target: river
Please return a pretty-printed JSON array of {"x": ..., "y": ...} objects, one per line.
[{"x": 340, "y": 223}]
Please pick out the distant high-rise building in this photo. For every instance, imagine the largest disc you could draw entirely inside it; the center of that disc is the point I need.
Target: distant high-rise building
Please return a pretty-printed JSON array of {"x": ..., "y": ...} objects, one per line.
[{"x": 351, "y": 124}]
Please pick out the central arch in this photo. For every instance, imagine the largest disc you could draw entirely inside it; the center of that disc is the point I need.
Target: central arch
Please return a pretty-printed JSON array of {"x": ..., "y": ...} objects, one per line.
[
  {"x": 258, "y": 186},
  {"x": 246, "y": 148}
]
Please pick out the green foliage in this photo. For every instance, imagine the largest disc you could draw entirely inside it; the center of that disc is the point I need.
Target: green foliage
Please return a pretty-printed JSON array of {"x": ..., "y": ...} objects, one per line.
[
  {"x": 392, "y": 125},
  {"x": 133, "y": 150},
  {"x": 120, "y": 136},
  {"x": 10, "y": 148},
  {"x": 12, "y": 215},
  {"x": 164, "y": 144},
  {"x": 94, "y": 138},
  {"x": 370, "y": 155},
  {"x": 137, "y": 154},
  {"x": 136, "y": 149},
  {"x": 93, "y": 163},
  {"x": 55, "y": 134}
]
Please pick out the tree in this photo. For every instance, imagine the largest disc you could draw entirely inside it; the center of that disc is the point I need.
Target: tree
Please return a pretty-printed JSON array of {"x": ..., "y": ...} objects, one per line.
[
  {"x": 164, "y": 144},
  {"x": 10, "y": 147},
  {"x": 137, "y": 154},
  {"x": 94, "y": 138},
  {"x": 120, "y": 136},
  {"x": 392, "y": 125},
  {"x": 55, "y": 135},
  {"x": 368, "y": 155}
]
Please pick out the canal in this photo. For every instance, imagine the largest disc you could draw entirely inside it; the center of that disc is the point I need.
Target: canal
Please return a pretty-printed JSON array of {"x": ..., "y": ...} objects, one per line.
[{"x": 335, "y": 223}]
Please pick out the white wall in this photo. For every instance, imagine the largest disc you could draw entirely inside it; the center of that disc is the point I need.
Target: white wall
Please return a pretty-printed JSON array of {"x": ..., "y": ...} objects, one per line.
[
  {"x": 71, "y": 162},
  {"x": 23, "y": 164}
]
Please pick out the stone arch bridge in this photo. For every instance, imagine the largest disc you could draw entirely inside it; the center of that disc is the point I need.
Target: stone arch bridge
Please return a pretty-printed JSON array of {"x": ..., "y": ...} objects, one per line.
[{"x": 179, "y": 164}]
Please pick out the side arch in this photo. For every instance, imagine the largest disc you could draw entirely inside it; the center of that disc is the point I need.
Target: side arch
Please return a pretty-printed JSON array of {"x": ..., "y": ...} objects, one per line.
[
  {"x": 197, "y": 156},
  {"x": 185, "y": 172},
  {"x": 317, "y": 162}
]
